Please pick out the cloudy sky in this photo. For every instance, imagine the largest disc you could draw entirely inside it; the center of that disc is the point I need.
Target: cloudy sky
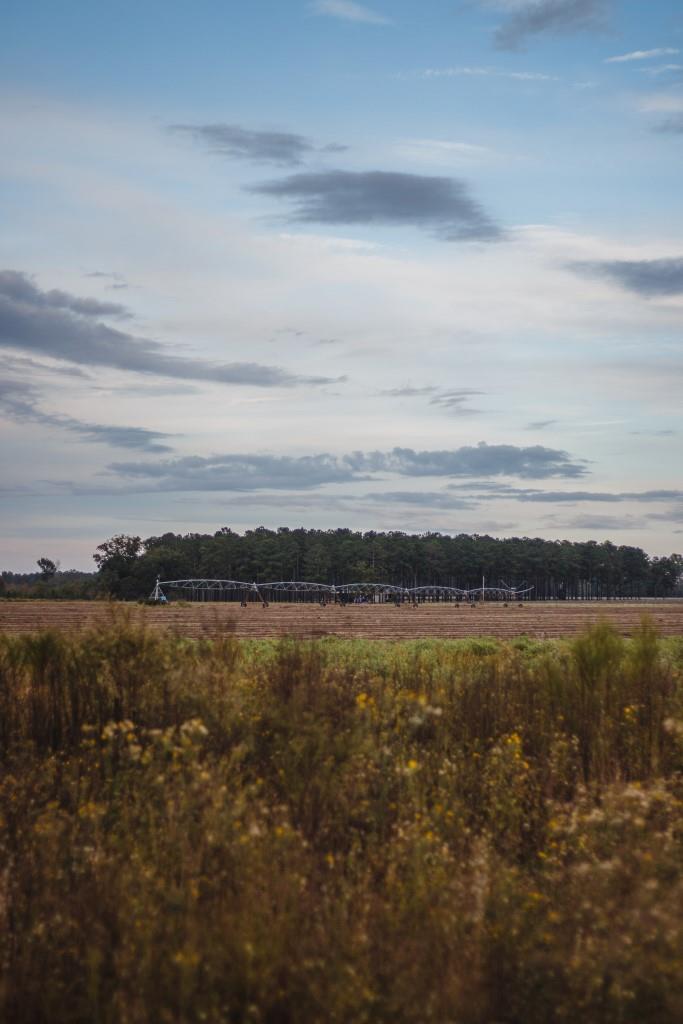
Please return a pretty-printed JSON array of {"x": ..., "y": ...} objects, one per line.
[{"x": 393, "y": 265}]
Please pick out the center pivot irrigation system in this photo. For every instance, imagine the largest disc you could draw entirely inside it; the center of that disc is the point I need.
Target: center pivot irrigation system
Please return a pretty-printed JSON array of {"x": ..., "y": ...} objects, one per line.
[{"x": 345, "y": 593}]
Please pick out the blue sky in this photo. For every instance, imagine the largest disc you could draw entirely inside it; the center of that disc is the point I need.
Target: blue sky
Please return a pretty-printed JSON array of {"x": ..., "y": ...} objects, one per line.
[{"x": 385, "y": 265}]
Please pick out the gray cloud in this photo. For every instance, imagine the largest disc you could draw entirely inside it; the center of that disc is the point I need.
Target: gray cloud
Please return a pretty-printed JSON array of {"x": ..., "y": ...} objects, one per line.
[
  {"x": 18, "y": 287},
  {"x": 493, "y": 491},
  {"x": 484, "y": 460},
  {"x": 608, "y": 523},
  {"x": 247, "y": 472},
  {"x": 454, "y": 399},
  {"x": 597, "y": 496},
  {"x": 540, "y": 424},
  {"x": 440, "y": 205},
  {"x": 554, "y": 16},
  {"x": 240, "y": 472},
  {"x": 22, "y": 364},
  {"x": 64, "y": 327},
  {"x": 645, "y": 277},
  {"x": 408, "y": 391},
  {"x": 19, "y": 401},
  {"x": 285, "y": 149},
  {"x": 672, "y": 125},
  {"x": 653, "y": 433},
  {"x": 422, "y": 499},
  {"x": 116, "y": 281}
]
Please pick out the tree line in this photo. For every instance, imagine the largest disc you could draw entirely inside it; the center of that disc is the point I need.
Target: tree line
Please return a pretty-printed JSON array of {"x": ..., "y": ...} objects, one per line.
[{"x": 127, "y": 566}]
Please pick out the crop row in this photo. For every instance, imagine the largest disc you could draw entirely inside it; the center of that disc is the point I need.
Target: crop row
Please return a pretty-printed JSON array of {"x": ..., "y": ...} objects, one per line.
[{"x": 366, "y": 621}]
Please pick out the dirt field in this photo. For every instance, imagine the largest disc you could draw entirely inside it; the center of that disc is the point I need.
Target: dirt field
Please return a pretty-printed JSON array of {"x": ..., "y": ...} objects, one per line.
[{"x": 382, "y": 622}]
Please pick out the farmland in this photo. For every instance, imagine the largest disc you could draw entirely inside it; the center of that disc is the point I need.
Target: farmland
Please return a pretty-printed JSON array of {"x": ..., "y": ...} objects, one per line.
[{"x": 540, "y": 620}]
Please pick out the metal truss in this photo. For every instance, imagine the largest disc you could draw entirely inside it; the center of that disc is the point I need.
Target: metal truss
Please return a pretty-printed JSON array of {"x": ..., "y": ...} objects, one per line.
[{"x": 206, "y": 589}]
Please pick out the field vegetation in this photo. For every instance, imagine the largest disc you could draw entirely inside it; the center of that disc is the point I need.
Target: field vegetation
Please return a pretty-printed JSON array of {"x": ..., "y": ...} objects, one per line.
[{"x": 340, "y": 831}]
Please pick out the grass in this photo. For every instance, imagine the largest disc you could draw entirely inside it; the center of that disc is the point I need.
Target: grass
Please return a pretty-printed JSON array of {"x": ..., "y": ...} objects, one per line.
[{"x": 340, "y": 831}]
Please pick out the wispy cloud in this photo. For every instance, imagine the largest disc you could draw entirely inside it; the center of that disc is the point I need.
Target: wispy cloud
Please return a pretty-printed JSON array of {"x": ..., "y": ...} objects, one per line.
[
  {"x": 496, "y": 491},
  {"x": 422, "y": 499},
  {"x": 19, "y": 401},
  {"x": 116, "y": 281},
  {"x": 557, "y": 17},
  {"x": 347, "y": 10},
  {"x": 605, "y": 524},
  {"x": 644, "y": 277},
  {"x": 661, "y": 103},
  {"x": 440, "y": 205},
  {"x": 624, "y": 58},
  {"x": 663, "y": 69},
  {"x": 53, "y": 323},
  {"x": 246, "y": 472},
  {"x": 409, "y": 391},
  {"x": 671, "y": 125},
  {"x": 484, "y": 72},
  {"x": 454, "y": 400},
  {"x": 442, "y": 151},
  {"x": 285, "y": 149}
]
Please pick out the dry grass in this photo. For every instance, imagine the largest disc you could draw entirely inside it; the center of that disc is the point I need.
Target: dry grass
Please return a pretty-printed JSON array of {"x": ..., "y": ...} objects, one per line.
[{"x": 340, "y": 831}]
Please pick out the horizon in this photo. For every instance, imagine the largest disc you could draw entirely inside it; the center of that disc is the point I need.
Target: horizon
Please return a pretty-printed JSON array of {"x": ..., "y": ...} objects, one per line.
[{"x": 406, "y": 267}]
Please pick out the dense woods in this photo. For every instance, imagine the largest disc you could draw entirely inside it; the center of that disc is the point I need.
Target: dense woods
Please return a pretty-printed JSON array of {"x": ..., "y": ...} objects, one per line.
[{"x": 128, "y": 566}]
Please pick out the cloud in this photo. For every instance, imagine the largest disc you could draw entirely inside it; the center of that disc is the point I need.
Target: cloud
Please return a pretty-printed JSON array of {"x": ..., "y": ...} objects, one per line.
[
  {"x": 248, "y": 472},
  {"x": 408, "y": 391},
  {"x": 604, "y": 523},
  {"x": 478, "y": 72},
  {"x": 484, "y": 460},
  {"x": 441, "y": 205},
  {"x": 663, "y": 69},
  {"x": 671, "y": 125},
  {"x": 422, "y": 499},
  {"x": 347, "y": 10},
  {"x": 501, "y": 491},
  {"x": 661, "y": 103},
  {"x": 654, "y": 433},
  {"x": 455, "y": 401},
  {"x": 19, "y": 288},
  {"x": 117, "y": 281},
  {"x": 540, "y": 424},
  {"x": 663, "y": 51},
  {"x": 555, "y": 16},
  {"x": 452, "y": 399},
  {"x": 20, "y": 364},
  {"x": 19, "y": 402},
  {"x": 282, "y": 148},
  {"x": 65, "y": 327},
  {"x": 240, "y": 472},
  {"x": 645, "y": 277}
]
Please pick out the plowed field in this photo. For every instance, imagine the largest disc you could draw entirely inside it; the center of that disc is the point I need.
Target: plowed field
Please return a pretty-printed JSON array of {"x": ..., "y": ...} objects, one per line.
[{"x": 381, "y": 622}]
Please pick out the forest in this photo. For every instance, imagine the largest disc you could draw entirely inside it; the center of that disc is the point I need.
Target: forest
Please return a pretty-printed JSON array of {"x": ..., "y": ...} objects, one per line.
[{"x": 128, "y": 566}]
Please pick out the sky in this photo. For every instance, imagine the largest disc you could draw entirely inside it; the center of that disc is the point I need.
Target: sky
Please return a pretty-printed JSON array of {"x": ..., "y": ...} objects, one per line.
[{"x": 389, "y": 266}]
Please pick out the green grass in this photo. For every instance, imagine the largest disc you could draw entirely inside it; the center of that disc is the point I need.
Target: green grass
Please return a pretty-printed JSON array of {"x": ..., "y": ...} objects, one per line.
[{"x": 340, "y": 831}]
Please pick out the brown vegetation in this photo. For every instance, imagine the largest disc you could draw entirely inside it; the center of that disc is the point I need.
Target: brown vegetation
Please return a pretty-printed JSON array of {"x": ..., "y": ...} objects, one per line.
[
  {"x": 340, "y": 832},
  {"x": 544, "y": 619}
]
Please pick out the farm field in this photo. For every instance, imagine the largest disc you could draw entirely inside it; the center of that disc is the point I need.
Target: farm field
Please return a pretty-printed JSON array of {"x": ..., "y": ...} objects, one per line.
[{"x": 542, "y": 620}]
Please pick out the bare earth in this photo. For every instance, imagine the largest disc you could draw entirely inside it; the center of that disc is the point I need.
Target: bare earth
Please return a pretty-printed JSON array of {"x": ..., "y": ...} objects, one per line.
[{"x": 380, "y": 622}]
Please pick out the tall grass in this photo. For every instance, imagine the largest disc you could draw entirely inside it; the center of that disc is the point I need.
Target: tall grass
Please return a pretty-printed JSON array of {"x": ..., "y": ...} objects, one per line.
[{"x": 340, "y": 831}]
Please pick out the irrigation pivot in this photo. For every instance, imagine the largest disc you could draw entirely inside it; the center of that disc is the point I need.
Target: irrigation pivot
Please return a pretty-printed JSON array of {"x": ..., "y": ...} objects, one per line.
[{"x": 216, "y": 590}]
